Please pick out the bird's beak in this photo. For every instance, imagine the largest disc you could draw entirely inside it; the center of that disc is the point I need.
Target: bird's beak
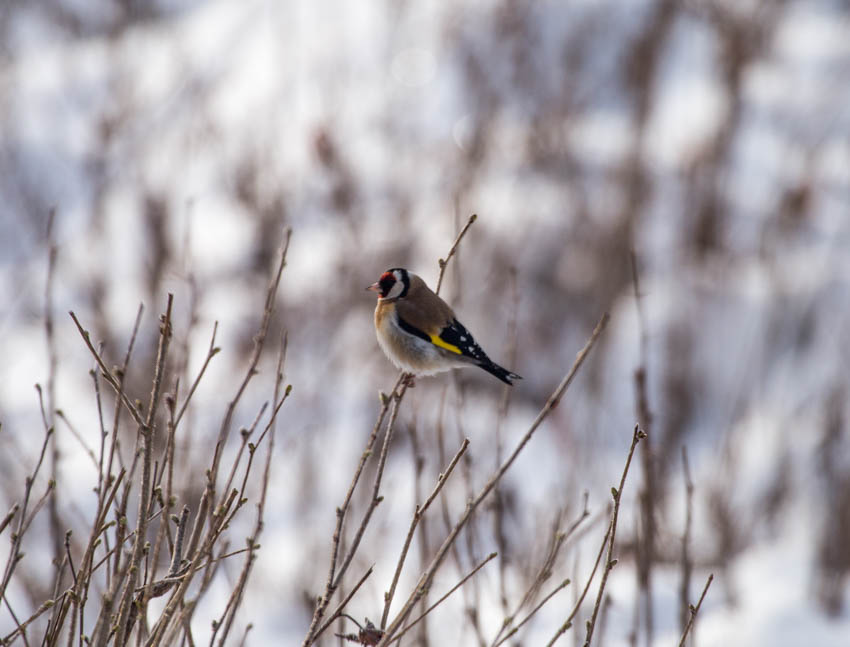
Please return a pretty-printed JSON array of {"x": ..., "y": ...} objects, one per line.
[{"x": 375, "y": 287}]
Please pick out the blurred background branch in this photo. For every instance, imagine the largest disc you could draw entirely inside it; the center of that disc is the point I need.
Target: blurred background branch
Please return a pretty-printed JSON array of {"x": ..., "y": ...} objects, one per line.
[{"x": 684, "y": 165}]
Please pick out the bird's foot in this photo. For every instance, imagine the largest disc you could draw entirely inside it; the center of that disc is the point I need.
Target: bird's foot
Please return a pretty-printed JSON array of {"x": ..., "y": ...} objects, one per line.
[{"x": 409, "y": 380}]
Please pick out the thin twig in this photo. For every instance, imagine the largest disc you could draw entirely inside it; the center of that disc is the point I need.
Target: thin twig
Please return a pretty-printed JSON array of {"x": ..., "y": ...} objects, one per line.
[
  {"x": 338, "y": 611},
  {"x": 417, "y": 516},
  {"x": 400, "y": 388},
  {"x": 246, "y": 436},
  {"x": 22, "y": 626},
  {"x": 221, "y": 514},
  {"x": 425, "y": 579},
  {"x": 543, "y": 573},
  {"x": 115, "y": 381},
  {"x": 23, "y": 521},
  {"x": 114, "y": 445},
  {"x": 146, "y": 432},
  {"x": 617, "y": 493},
  {"x": 211, "y": 352},
  {"x": 252, "y": 541},
  {"x": 341, "y": 512},
  {"x": 537, "y": 608},
  {"x": 695, "y": 610},
  {"x": 9, "y": 516},
  {"x": 166, "y": 502},
  {"x": 443, "y": 262},
  {"x": 687, "y": 565},
  {"x": 79, "y": 438},
  {"x": 259, "y": 343},
  {"x": 569, "y": 621},
  {"x": 442, "y": 599}
]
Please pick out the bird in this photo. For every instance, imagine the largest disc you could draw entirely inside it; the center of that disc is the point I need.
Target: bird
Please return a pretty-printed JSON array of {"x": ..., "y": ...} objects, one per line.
[{"x": 420, "y": 333}]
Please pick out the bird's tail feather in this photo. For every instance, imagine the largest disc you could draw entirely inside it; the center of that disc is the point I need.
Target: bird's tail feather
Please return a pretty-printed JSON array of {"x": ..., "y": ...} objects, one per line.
[{"x": 502, "y": 373}]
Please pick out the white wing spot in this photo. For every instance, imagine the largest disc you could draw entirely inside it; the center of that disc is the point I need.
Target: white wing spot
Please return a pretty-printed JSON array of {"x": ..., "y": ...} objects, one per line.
[{"x": 462, "y": 338}]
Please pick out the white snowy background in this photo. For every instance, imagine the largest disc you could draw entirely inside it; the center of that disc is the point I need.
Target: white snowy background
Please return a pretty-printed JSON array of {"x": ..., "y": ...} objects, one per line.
[{"x": 176, "y": 140}]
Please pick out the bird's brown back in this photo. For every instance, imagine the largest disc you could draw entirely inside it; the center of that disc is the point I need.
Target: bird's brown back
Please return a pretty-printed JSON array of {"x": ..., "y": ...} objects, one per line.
[{"x": 423, "y": 309}]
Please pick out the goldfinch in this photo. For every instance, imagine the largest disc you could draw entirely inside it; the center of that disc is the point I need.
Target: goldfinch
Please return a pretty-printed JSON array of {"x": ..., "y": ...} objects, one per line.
[{"x": 418, "y": 331}]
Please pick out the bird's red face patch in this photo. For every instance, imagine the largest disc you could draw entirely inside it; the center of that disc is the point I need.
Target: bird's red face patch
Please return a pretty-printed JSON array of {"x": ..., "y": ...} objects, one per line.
[{"x": 386, "y": 283}]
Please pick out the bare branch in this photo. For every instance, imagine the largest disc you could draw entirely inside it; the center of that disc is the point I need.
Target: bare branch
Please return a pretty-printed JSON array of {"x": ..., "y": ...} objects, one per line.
[
  {"x": 115, "y": 381},
  {"x": 537, "y": 608},
  {"x": 338, "y": 611},
  {"x": 146, "y": 432},
  {"x": 442, "y": 599},
  {"x": 417, "y": 515},
  {"x": 444, "y": 262}
]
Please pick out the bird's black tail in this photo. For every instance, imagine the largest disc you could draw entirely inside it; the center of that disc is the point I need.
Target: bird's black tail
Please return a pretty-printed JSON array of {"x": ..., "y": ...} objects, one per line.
[{"x": 503, "y": 374}]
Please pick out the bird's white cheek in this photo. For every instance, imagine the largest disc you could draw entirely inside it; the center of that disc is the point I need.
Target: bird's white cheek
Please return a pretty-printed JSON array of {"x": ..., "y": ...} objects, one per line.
[{"x": 395, "y": 290}]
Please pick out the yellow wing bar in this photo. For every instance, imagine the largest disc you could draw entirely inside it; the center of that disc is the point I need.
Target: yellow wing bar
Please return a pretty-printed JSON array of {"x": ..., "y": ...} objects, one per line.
[{"x": 435, "y": 339}]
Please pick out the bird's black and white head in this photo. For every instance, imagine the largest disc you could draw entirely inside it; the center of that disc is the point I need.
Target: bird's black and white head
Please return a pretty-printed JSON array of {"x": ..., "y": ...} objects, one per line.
[{"x": 393, "y": 284}]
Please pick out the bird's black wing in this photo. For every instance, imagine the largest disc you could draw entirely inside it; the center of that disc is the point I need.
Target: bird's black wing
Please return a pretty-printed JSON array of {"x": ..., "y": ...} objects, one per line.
[{"x": 456, "y": 338}]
